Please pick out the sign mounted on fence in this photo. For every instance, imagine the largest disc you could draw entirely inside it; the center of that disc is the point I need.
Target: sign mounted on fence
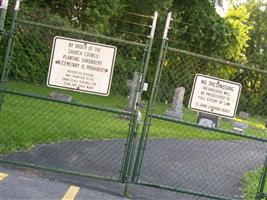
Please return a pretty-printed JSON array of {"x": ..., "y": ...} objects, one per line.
[
  {"x": 81, "y": 66},
  {"x": 3, "y": 4},
  {"x": 215, "y": 96}
]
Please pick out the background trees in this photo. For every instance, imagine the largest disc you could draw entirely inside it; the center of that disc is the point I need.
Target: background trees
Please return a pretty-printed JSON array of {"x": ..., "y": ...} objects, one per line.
[{"x": 239, "y": 36}]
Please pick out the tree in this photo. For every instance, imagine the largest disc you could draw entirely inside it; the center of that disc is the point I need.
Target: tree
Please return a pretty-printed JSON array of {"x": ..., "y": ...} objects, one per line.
[
  {"x": 257, "y": 45},
  {"x": 89, "y": 15},
  {"x": 237, "y": 19},
  {"x": 255, "y": 54}
]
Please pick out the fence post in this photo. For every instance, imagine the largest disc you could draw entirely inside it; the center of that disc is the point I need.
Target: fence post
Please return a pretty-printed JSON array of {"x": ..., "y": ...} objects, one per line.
[
  {"x": 127, "y": 166},
  {"x": 147, "y": 120},
  {"x": 260, "y": 192},
  {"x": 8, "y": 49}
]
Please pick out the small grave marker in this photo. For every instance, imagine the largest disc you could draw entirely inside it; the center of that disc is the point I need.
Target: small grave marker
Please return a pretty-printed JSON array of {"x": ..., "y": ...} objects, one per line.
[
  {"x": 239, "y": 126},
  {"x": 206, "y": 123},
  {"x": 213, "y": 118},
  {"x": 243, "y": 115},
  {"x": 60, "y": 96}
]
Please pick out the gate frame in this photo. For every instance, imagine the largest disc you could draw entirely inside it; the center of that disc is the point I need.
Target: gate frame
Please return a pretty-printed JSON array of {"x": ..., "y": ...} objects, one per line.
[
  {"x": 149, "y": 109},
  {"x": 131, "y": 163},
  {"x": 124, "y": 174},
  {"x": 149, "y": 116}
]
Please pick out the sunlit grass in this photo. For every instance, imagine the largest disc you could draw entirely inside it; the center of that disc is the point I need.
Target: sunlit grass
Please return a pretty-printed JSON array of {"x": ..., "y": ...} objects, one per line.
[
  {"x": 251, "y": 182},
  {"x": 25, "y": 122}
]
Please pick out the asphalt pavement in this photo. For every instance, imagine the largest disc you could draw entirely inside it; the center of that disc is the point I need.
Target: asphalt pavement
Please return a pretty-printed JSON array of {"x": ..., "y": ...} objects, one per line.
[{"x": 214, "y": 167}]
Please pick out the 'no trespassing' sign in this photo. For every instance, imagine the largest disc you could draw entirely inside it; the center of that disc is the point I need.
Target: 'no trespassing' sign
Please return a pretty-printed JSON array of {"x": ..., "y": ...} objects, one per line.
[{"x": 215, "y": 96}]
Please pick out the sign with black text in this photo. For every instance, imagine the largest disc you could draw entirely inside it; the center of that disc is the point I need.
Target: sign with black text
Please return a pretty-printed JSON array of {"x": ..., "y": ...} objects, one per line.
[
  {"x": 81, "y": 66},
  {"x": 215, "y": 96}
]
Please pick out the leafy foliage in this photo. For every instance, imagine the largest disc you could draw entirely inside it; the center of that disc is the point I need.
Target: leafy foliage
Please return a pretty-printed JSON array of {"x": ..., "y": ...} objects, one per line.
[
  {"x": 196, "y": 27},
  {"x": 255, "y": 54}
]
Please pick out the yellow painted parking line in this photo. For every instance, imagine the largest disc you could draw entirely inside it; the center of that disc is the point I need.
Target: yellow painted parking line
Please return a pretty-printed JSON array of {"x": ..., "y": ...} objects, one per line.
[
  {"x": 71, "y": 193},
  {"x": 3, "y": 176}
]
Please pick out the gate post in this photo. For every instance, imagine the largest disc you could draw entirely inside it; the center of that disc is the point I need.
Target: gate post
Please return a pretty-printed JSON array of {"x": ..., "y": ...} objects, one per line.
[
  {"x": 8, "y": 50},
  {"x": 260, "y": 192},
  {"x": 149, "y": 110},
  {"x": 129, "y": 154},
  {"x": 3, "y": 9}
]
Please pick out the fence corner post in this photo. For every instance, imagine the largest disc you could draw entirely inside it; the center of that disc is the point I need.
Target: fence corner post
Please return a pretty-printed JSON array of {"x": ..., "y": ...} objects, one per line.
[{"x": 260, "y": 192}]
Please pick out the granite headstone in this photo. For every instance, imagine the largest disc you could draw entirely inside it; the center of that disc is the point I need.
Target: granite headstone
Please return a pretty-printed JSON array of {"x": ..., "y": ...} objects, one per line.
[
  {"x": 176, "y": 110},
  {"x": 215, "y": 119},
  {"x": 133, "y": 86},
  {"x": 206, "y": 123},
  {"x": 239, "y": 126},
  {"x": 243, "y": 115},
  {"x": 60, "y": 96}
]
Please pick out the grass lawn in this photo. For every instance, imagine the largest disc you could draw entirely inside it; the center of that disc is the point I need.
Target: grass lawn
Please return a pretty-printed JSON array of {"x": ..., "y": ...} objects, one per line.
[
  {"x": 26, "y": 122},
  {"x": 250, "y": 182}
]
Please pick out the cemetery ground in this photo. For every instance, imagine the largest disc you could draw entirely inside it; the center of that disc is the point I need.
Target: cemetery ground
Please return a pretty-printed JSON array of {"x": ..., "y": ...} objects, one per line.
[
  {"x": 250, "y": 181},
  {"x": 67, "y": 123}
]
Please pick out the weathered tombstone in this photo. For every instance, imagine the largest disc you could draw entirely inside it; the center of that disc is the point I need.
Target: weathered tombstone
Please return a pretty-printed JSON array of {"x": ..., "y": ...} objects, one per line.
[
  {"x": 214, "y": 119},
  {"x": 206, "y": 123},
  {"x": 239, "y": 126},
  {"x": 133, "y": 85},
  {"x": 176, "y": 110},
  {"x": 60, "y": 96},
  {"x": 243, "y": 115}
]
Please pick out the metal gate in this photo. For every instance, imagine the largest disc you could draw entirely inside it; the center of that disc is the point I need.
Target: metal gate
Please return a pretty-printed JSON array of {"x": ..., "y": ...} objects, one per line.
[
  {"x": 94, "y": 136},
  {"x": 179, "y": 153},
  {"x": 59, "y": 130}
]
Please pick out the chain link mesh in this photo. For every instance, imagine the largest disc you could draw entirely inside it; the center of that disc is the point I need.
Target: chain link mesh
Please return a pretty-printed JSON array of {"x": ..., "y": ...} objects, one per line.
[
  {"x": 89, "y": 133},
  {"x": 183, "y": 154},
  {"x": 86, "y": 134}
]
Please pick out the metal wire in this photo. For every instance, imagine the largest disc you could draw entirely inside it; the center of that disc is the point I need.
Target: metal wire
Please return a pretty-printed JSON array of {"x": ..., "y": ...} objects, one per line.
[
  {"x": 197, "y": 159},
  {"x": 77, "y": 136}
]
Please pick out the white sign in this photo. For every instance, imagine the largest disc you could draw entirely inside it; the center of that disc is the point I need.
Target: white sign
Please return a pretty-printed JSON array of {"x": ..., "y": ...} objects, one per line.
[
  {"x": 81, "y": 66},
  {"x": 145, "y": 87},
  {"x": 215, "y": 96},
  {"x": 4, "y": 4}
]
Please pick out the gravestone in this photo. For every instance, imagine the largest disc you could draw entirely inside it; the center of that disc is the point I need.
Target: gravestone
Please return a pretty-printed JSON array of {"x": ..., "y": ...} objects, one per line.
[
  {"x": 133, "y": 86},
  {"x": 243, "y": 115},
  {"x": 206, "y": 123},
  {"x": 176, "y": 110},
  {"x": 215, "y": 119},
  {"x": 60, "y": 96},
  {"x": 239, "y": 126}
]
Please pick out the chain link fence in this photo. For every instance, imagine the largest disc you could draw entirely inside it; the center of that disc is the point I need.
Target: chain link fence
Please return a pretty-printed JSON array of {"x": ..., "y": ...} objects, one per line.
[
  {"x": 82, "y": 134},
  {"x": 201, "y": 154},
  {"x": 61, "y": 130}
]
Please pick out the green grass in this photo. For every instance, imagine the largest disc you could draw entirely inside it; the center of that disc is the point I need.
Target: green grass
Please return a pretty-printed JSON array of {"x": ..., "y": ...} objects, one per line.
[
  {"x": 250, "y": 183},
  {"x": 25, "y": 122}
]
